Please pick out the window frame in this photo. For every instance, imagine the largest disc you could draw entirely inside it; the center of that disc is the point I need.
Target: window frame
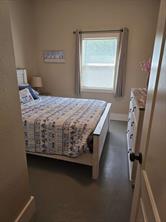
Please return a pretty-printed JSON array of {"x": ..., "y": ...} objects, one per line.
[{"x": 94, "y": 36}]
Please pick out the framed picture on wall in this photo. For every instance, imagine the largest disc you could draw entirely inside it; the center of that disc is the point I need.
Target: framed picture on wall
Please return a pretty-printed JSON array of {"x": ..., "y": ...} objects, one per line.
[{"x": 53, "y": 56}]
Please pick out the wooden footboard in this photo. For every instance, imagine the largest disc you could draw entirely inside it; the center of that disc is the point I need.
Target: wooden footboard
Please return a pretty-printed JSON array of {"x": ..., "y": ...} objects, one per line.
[{"x": 99, "y": 136}]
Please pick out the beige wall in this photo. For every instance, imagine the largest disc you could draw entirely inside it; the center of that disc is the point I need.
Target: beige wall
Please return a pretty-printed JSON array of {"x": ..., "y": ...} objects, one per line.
[
  {"x": 14, "y": 185},
  {"x": 21, "y": 13},
  {"x": 54, "y": 22}
]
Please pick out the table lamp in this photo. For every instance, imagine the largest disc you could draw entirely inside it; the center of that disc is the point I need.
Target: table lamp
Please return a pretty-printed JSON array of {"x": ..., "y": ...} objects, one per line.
[{"x": 36, "y": 83}]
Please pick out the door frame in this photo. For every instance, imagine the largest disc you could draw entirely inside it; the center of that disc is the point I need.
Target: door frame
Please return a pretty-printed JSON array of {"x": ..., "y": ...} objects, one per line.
[{"x": 150, "y": 103}]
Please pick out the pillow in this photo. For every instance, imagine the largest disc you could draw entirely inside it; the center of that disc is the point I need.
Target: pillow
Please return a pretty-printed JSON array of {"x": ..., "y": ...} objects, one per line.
[
  {"x": 34, "y": 93},
  {"x": 25, "y": 96},
  {"x": 23, "y": 86}
]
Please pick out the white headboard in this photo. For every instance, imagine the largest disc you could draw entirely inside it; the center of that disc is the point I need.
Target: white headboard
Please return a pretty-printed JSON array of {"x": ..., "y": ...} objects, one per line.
[{"x": 21, "y": 76}]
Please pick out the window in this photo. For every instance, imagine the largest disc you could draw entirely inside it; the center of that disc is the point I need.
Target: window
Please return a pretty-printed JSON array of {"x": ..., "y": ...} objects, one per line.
[{"x": 99, "y": 55}]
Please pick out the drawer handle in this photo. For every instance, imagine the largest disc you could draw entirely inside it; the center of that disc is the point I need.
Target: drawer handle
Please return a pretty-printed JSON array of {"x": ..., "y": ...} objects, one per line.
[
  {"x": 134, "y": 108},
  {"x": 132, "y": 124},
  {"x": 129, "y": 151},
  {"x": 131, "y": 136}
]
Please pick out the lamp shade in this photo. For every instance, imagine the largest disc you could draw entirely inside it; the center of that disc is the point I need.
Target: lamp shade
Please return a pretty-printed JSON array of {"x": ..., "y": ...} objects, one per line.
[{"x": 36, "y": 81}]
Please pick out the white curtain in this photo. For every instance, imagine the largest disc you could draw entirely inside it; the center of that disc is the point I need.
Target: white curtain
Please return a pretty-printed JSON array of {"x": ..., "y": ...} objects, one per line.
[
  {"x": 78, "y": 36},
  {"x": 121, "y": 64}
]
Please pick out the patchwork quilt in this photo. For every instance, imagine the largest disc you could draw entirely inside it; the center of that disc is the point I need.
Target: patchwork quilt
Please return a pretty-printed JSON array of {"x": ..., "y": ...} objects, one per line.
[{"x": 57, "y": 125}]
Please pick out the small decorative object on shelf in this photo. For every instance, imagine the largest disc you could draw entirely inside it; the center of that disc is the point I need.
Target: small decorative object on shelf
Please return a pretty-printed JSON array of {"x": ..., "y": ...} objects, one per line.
[
  {"x": 37, "y": 83},
  {"x": 146, "y": 67}
]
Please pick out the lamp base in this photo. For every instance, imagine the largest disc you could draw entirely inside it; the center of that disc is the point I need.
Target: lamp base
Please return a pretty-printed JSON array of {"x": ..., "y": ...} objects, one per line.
[{"x": 37, "y": 89}]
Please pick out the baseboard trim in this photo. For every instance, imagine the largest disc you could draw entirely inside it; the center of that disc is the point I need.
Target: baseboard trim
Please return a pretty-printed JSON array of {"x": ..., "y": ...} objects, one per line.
[
  {"x": 27, "y": 212},
  {"x": 119, "y": 116}
]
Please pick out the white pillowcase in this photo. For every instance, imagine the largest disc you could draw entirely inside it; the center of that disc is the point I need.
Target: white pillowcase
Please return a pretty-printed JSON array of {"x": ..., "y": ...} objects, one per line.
[{"x": 25, "y": 96}]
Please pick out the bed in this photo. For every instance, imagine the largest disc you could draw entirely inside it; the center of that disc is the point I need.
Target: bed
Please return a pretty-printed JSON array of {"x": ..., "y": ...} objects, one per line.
[{"x": 47, "y": 133}]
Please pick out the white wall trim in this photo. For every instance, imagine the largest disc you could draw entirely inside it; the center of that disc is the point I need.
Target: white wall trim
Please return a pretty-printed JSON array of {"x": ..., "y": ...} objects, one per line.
[
  {"x": 27, "y": 212},
  {"x": 119, "y": 116}
]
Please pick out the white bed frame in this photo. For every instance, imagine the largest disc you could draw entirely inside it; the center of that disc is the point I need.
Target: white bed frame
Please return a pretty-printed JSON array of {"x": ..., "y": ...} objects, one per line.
[{"x": 99, "y": 135}]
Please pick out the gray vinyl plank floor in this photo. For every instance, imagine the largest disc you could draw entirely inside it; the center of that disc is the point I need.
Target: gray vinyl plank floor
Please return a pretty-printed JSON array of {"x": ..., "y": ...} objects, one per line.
[{"x": 65, "y": 192}]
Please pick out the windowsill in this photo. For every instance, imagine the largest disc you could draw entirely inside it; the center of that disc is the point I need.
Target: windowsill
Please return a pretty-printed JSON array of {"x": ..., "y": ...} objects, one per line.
[
  {"x": 97, "y": 90},
  {"x": 98, "y": 65}
]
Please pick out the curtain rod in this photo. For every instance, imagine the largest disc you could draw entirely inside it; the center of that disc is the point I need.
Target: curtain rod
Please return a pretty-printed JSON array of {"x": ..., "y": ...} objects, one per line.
[{"x": 97, "y": 31}]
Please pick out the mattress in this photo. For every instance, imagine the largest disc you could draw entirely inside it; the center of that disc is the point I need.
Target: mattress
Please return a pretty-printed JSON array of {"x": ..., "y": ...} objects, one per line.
[{"x": 57, "y": 125}]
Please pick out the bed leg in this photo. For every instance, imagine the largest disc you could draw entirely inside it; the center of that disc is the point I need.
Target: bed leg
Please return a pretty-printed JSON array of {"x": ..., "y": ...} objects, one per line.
[{"x": 95, "y": 171}]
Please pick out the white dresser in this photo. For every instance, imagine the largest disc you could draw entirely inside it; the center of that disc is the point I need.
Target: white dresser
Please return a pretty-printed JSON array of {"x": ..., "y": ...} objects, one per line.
[{"x": 134, "y": 127}]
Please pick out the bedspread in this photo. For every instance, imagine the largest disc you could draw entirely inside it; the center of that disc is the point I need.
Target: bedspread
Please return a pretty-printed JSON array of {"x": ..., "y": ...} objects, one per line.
[{"x": 57, "y": 125}]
